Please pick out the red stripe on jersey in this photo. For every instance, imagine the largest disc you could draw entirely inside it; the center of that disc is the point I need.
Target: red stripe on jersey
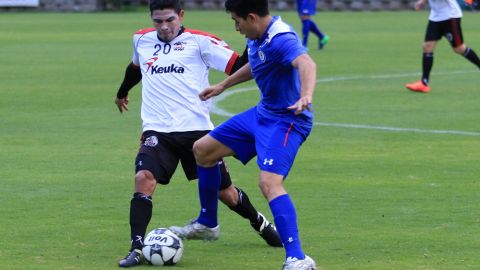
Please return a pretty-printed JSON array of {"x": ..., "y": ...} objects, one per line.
[
  {"x": 231, "y": 62},
  {"x": 198, "y": 32},
  {"x": 457, "y": 39},
  {"x": 286, "y": 135},
  {"x": 144, "y": 31}
]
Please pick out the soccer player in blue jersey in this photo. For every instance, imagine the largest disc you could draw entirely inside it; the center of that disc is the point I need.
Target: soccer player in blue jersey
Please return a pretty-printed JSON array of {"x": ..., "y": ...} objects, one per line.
[
  {"x": 306, "y": 9},
  {"x": 273, "y": 130}
]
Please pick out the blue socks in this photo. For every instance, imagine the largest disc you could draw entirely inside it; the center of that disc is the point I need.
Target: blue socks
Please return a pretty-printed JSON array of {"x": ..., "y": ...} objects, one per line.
[
  {"x": 307, "y": 26},
  {"x": 315, "y": 30},
  {"x": 285, "y": 218},
  {"x": 208, "y": 185},
  {"x": 305, "y": 32}
]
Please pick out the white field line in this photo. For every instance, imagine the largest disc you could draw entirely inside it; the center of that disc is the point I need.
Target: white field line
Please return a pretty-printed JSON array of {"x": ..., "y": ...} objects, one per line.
[{"x": 215, "y": 109}]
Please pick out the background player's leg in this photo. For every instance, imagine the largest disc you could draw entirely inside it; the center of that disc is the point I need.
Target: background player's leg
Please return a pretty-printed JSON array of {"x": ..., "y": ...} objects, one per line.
[{"x": 471, "y": 56}]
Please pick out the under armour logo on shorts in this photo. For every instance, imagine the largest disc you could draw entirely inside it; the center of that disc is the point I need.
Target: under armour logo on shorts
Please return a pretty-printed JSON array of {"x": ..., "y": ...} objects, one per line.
[{"x": 268, "y": 161}]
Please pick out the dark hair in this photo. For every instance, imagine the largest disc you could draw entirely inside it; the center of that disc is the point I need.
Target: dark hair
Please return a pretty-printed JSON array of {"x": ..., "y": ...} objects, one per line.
[
  {"x": 243, "y": 7},
  {"x": 165, "y": 4}
]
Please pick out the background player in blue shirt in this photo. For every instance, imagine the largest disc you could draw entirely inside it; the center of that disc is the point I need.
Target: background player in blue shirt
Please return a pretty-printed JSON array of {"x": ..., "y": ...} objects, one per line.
[
  {"x": 306, "y": 9},
  {"x": 273, "y": 130}
]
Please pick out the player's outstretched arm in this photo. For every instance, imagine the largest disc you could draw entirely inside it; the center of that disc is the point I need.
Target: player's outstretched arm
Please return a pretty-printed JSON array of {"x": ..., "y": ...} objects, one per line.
[
  {"x": 133, "y": 75},
  {"x": 241, "y": 75},
  {"x": 307, "y": 70},
  {"x": 419, "y": 4}
]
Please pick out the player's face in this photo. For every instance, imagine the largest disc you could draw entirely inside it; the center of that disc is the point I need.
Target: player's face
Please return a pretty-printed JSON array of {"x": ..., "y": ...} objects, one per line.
[
  {"x": 244, "y": 26},
  {"x": 167, "y": 23}
]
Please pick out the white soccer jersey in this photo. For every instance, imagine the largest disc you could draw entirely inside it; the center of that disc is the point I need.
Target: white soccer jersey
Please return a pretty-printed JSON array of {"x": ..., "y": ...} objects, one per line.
[
  {"x": 441, "y": 10},
  {"x": 174, "y": 73}
]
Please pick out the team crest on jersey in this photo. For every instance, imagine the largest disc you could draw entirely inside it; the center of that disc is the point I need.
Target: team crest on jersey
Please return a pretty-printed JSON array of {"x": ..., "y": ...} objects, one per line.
[
  {"x": 150, "y": 62},
  {"x": 151, "y": 141},
  {"x": 179, "y": 46},
  {"x": 261, "y": 55}
]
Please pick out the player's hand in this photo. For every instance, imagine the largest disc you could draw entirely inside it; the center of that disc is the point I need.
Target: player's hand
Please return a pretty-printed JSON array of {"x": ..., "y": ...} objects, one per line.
[
  {"x": 122, "y": 104},
  {"x": 211, "y": 91},
  {"x": 419, "y": 4},
  {"x": 304, "y": 103}
]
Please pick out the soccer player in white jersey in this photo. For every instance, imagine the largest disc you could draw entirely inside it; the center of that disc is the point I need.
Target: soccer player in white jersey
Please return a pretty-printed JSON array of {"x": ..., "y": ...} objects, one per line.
[
  {"x": 444, "y": 20},
  {"x": 173, "y": 62},
  {"x": 273, "y": 131}
]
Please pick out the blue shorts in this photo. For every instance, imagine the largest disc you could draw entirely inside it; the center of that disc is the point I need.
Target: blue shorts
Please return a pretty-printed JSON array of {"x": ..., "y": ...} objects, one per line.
[
  {"x": 306, "y": 7},
  {"x": 274, "y": 142}
]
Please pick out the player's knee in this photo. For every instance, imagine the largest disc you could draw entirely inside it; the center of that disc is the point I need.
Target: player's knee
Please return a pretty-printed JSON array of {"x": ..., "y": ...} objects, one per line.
[
  {"x": 460, "y": 49},
  {"x": 202, "y": 154},
  {"x": 271, "y": 187},
  {"x": 266, "y": 187},
  {"x": 145, "y": 182},
  {"x": 198, "y": 151},
  {"x": 428, "y": 47}
]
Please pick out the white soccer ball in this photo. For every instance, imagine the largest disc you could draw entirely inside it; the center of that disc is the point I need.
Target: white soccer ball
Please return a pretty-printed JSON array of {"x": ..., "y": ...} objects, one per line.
[{"x": 162, "y": 247}]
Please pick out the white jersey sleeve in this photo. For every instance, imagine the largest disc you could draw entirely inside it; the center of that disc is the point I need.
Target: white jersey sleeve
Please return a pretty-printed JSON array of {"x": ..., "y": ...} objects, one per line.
[
  {"x": 442, "y": 10},
  {"x": 136, "y": 39},
  {"x": 215, "y": 52}
]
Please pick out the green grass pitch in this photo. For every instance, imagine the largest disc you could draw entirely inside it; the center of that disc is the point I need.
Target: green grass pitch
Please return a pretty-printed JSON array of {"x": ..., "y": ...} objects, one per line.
[{"x": 388, "y": 179}]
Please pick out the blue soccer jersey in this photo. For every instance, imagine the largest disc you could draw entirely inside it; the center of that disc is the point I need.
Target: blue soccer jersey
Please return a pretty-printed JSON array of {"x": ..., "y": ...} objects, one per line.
[
  {"x": 271, "y": 59},
  {"x": 270, "y": 130},
  {"x": 307, "y": 7}
]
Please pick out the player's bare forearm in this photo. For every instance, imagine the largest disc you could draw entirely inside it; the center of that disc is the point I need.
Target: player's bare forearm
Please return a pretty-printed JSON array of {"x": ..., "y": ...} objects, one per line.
[
  {"x": 241, "y": 75},
  {"x": 307, "y": 70}
]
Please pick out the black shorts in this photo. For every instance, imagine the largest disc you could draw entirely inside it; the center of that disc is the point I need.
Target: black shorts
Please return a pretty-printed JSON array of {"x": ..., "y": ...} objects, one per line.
[
  {"x": 160, "y": 153},
  {"x": 450, "y": 29}
]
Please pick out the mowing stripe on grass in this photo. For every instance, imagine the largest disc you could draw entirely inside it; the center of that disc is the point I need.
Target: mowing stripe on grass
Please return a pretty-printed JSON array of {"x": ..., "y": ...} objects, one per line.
[
  {"x": 395, "y": 129},
  {"x": 219, "y": 111}
]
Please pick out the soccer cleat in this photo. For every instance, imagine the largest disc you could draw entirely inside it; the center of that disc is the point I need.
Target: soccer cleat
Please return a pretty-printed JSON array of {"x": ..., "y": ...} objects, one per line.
[
  {"x": 296, "y": 264},
  {"x": 196, "y": 231},
  {"x": 133, "y": 258},
  {"x": 268, "y": 232},
  {"x": 323, "y": 42},
  {"x": 418, "y": 86}
]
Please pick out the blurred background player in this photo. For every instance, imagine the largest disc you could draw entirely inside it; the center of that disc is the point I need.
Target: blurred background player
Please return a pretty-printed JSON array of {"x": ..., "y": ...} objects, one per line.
[
  {"x": 173, "y": 62},
  {"x": 444, "y": 20},
  {"x": 306, "y": 9}
]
